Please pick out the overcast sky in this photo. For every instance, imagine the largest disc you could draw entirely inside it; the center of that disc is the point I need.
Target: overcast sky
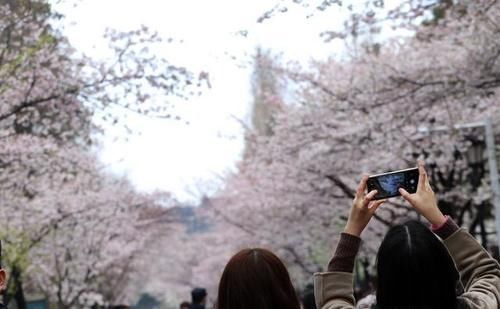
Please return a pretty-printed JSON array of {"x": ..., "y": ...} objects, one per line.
[{"x": 174, "y": 156}]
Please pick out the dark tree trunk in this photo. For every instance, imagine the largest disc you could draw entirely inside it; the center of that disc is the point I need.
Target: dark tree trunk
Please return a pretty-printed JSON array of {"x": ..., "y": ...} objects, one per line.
[
  {"x": 479, "y": 221},
  {"x": 482, "y": 229}
]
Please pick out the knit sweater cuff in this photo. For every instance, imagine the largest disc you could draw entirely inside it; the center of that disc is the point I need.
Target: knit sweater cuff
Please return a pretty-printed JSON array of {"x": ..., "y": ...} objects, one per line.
[
  {"x": 345, "y": 254},
  {"x": 446, "y": 229}
]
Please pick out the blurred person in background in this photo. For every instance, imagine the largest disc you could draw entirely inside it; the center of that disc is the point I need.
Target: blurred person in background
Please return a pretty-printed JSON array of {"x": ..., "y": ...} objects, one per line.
[
  {"x": 414, "y": 268},
  {"x": 199, "y": 298},
  {"x": 256, "y": 278},
  {"x": 184, "y": 305}
]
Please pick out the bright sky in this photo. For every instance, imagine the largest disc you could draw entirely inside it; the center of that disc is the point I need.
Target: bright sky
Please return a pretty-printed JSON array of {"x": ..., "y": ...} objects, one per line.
[{"x": 188, "y": 159}]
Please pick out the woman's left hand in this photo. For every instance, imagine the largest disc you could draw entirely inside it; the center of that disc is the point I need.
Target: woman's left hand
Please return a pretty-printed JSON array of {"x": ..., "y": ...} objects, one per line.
[{"x": 362, "y": 209}]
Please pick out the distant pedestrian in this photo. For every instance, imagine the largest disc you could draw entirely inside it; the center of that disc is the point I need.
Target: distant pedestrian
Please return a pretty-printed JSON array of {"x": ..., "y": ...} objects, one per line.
[
  {"x": 184, "y": 305},
  {"x": 256, "y": 279},
  {"x": 199, "y": 298}
]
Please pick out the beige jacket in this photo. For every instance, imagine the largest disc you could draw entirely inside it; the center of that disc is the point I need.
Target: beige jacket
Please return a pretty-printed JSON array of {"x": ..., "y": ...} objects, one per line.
[{"x": 479, "y": 273}]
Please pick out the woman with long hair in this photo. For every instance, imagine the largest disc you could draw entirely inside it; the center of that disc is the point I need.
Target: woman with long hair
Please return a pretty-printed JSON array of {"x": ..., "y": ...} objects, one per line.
[
  {"x": 414, "y": 268},
  {"x": 256, "y": 279}
]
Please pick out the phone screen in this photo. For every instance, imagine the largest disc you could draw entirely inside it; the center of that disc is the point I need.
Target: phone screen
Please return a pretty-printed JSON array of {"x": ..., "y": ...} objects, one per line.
[{"x": 388, "y": 184}]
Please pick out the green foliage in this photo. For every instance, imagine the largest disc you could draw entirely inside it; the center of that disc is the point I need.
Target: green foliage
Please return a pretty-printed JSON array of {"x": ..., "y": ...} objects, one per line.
[
  {"x": 30, "y": 51},
  {"x": 15, "y": 246}
]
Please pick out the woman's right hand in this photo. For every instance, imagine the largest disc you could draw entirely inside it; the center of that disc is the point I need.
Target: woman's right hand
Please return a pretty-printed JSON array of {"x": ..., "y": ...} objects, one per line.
[{"x": 424, "y": 200}]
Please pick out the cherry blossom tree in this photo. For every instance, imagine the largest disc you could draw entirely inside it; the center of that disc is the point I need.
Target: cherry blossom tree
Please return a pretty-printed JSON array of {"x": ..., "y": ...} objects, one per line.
[
  {"x": 45, "y": 78},
  {"x": 70, "y": 230}
]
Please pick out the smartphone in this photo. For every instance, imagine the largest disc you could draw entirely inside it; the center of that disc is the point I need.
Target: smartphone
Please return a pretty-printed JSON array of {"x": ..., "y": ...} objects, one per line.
[{"x": 388, "y": 184}]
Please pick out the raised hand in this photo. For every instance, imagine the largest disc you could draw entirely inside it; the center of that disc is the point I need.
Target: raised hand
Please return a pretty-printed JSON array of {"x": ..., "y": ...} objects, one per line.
[
  {"x": 362, "y": 209},
  {"x": 424, "y": 200}
]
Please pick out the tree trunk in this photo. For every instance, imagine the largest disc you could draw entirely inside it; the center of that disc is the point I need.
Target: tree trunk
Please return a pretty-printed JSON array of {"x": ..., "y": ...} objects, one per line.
[{"x": 482, "y": 228}]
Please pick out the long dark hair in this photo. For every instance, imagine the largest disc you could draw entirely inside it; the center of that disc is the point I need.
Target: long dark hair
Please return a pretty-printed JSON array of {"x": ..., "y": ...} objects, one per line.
[
  {"x": 256, "y": 278},
  {"x": 415, "y": 270}
]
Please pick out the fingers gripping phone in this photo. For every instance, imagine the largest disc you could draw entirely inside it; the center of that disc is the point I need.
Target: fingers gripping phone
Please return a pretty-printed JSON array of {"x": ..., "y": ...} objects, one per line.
[{"x": 388, "y": 184}]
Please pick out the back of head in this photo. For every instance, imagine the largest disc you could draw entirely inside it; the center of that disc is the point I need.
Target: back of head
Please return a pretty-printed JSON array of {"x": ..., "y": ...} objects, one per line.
[
  {"x": 256, "y": 278},
  {"x": 198, "y": 295},
  {"x": 415, "y": 270}
]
